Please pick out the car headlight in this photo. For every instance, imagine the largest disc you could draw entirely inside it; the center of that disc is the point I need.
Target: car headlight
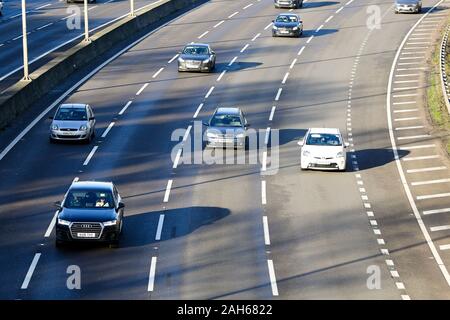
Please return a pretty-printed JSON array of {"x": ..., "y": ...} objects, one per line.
[
  {"x": 54, "y": 127},
  {"x": 340, "y": 154},
  {"x": 211, "y": 135},
  {"x": 306, "y": 153},
  {"x": 274, "y": 28},
  {"x": 206, "y": 60},
  {"x": 83, "y": 128},
  {"x": 180, "y": 60},
  {"x": 110, "y": 223},
  {"x": 63, "y": 222},
  {"x": 295, "y": 28}
]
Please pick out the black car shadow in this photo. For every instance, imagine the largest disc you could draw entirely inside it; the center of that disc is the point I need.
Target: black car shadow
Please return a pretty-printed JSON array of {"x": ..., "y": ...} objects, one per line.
[
  {"x": 322, "y": 32},
  {"x": 310, "y": 5},
  {"x": 373, "y": 158}
]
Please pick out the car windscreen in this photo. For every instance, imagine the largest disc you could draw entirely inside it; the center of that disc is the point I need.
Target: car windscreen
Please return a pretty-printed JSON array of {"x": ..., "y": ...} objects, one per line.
[
  {"x": 226, "y": 120},
  {"x": 323, "y": 139},
  {"x": 195, "y": 50},
  {"x": 286, "y": 19},
  {"x": 71, "y": 114},
  {"x": 407, "y": 1},
  {"x": 89, "y": 199}
]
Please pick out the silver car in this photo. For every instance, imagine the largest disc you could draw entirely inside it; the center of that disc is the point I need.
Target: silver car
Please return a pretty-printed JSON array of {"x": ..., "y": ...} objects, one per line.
[
  {"x": 295, "y": 4},
  {"x": 73, "y": 122},
  {"x": 412, "y": 6},
  {"x": 227, "y": 128},
  {"x": 197, "y": 57}
]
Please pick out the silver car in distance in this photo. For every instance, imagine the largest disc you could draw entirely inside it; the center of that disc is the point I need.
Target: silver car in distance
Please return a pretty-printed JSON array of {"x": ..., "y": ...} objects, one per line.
[{"x": 73, "y": 122}]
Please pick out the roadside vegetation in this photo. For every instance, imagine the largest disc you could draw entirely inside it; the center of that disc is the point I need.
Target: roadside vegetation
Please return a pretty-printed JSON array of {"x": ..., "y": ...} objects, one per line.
[{"x": 435, "y": 98}]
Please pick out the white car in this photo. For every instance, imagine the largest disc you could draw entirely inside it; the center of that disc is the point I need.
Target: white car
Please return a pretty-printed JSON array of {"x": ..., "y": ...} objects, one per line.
[{"x": 324, "y": 149}]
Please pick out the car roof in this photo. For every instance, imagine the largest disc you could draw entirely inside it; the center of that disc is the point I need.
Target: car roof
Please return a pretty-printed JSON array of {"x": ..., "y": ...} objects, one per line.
[
  {"x": 198, "y": 44},
  {"x": 92, "y": 185},
  {"x": 73, "y": 105},
  {"x": 324, "y": 130},
  {"x": 228, "y": 110},
  {"x": 288, "y": 14}
]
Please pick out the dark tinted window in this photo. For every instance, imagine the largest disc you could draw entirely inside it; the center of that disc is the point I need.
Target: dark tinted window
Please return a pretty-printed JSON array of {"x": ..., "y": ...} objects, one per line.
[
  {"x": 226, "y": 120},
  {"x": 286, "y": 19},
  {"x": 71, "y": 114},
  {"x": 195, "y": 50},
  {"x": 323, "y": 139},
  {"x": 89, "y": 199}
]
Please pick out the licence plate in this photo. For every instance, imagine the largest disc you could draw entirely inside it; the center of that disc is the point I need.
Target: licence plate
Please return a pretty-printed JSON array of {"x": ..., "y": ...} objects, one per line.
[
  {"x": 68, "y": 133},
  {"x": 322, "y": 162},
  {"x": 191, "y": 65},
  {"x": 85, "y": 235}
]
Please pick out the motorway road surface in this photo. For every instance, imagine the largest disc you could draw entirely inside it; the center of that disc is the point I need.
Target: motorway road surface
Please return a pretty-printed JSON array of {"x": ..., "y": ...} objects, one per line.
[{"x": 220, "y": 231}]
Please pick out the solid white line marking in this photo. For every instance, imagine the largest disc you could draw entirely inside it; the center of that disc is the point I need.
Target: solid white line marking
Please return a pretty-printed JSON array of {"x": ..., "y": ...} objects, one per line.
[
  {"x": 157, "y": 73},
  {"x": 409, "y": 128},
  {"x": 45, "y": 26},
  {"x": 444, "y": 247},
  {"x": 420, "y": 158},
  {"x": 272, "y": 112},
  {"x": 426, "y": 169},
  {"x": 89, "y": 157},
  {"x": 408, "y": 75},
  {"x": 293, "y": 63},
  {"x": 277, "y": 97},
  {"x": 160, "y": 226},
  {"x": 285, "y": 78},
  {"x": 329, "y": 18},
  {"x": 151, "y": 276},
  {"x": 203, "y": 34},
  {"x": 209, "y": 92},
  {"x": 406, "y": 119},
  {"x": 433, "y": 196},
  {"x": 406, "y": 81},
  {"x": 273, "y": 280},
  {"x": 177, "y": 159},
  {"x": 29, "y": 274},
  {"x": 301, "y": 50},
  {"x": 221, "y": 75},
  {"x": 421, "y": 183},
  {"x": 440, "y": 228},
  {"x": 174, "y": 57},
  {"x": 423, "y": 146},
  {"x": 105, "y": 133},
  {"x": 264, "y": 161},
  {"x": 232, "y": 61},
  {"x": 427, "y": 212},
  {"x": 404, "y": 95},
  {"x": 405, "y": 88},
  {"x": 51, "y": 225},
  {"x": 198, "y": 110},
  {"x": 142, "y": 89},
  {"x": 167, "y": 193},
  {"x": 233, "y": 14},
  {"x": 266, "y": 231},
  {"x": 218, "y": 24},
  {"x": 244, "y": 48},
  {"x": 256, "y": 36},
  {"x": 406, "y": 102},
  {"x": 405, "y": 110},
  {"x": 414, "y": 137},
  {"x": 309, "y": 40},
  {"x": 263, "y": 192},
  {"x": 125, "y": 108}
]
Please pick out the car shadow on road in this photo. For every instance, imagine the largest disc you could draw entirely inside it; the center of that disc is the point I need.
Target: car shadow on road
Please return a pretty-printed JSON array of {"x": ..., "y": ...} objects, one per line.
[
  {"x": 309, "y": 5},
  {"x": 373, "y": 158},
  {"x": 287, "y": 135},
  {"x": 237, "y": 66},
  {"x": 322, "y": 32}
]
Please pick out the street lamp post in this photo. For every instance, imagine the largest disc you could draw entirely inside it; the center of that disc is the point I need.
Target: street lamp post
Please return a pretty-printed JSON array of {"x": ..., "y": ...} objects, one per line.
[
  {"x": 86, "y": 22},
  {"x": 26, "y": 76}
]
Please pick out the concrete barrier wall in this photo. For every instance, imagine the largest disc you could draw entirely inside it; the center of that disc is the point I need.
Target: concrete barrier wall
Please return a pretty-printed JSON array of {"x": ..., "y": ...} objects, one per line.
[{"x": 22, "y": 95}]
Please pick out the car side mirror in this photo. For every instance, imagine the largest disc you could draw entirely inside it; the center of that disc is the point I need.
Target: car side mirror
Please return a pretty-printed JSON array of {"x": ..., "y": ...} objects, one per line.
[
  {"x": 300, "y": 143},
  {"x": 58, "y": 204},
  {"x": 301, "y": 21},
  {"x": 213, "y": 52},
  {"x": 121, "y": 205},
  {"x": 206, "y": 124},
  {"x": 91, "y": 118},
  {"x": 273, "y": 20},
  {"x": 247, "y": 125}
]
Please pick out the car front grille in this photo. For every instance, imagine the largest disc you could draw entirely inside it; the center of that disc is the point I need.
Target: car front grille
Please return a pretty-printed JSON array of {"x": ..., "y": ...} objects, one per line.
[
  {"x": 68, "y": 129},
  {"x": 86, "y": 227}
]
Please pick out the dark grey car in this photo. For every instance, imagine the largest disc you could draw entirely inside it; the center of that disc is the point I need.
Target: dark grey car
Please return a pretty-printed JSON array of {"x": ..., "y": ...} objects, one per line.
[
  {"x": 197, "y": 57},
  {"x": 288, "y": 25},
  {"x": 227, "y": 128},
  {"x": 410, "y": 6},
  {"x": 295, "y": 4}
]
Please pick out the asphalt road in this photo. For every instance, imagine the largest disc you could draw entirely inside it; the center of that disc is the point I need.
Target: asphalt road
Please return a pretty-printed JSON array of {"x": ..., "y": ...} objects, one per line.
[
  {"x": 51, "y": 27},
  {"x": 231, "y": 231}
]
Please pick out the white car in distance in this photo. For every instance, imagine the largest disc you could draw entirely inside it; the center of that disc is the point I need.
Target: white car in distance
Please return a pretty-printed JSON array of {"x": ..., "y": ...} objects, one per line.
[{"x": 323, "y": 149}]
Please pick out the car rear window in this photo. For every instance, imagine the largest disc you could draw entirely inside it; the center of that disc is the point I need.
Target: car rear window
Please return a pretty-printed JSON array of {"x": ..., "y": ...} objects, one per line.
[{"x": 88, "y": 199}]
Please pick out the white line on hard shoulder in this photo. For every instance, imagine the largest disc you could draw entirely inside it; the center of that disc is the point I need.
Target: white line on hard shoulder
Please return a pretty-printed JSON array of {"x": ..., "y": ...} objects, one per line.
[
  {"x": 167, "y": 193},
  {"x": 428, "y": 212},
  {"x": 157, "y": 72},
  {"x": 51, "y": 225},
  {"x": 421, "y": 183},
  {"x": 264, "y": 161},
  {"x": 266, "y": 231},
  {"x": 90, "y": 155},
  {"x": 417, "y": 147},
  {"x": 160, "y": 226},
  {"x": 232, "y": 61},
  {"x": 263, "y": 192},
  {"x": 273, "y": 280},
  {"x": 209, "y": 92},
  {"x": 125, "y": 108},
  {"x": 30, "y": 272},
  {"x": 177, "y": 158},
  {"x": 151, "y": 276},
  {"x": 426, "y": 169},
  {"x": 440, "y": 228},
  {"x": 433, "y": 196},
  {"x": 105, "y": 133},
  {"x": 421, "y": 158},
  {"x": 142, "y": 88},
  {"x": 200, "y": 106}
]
